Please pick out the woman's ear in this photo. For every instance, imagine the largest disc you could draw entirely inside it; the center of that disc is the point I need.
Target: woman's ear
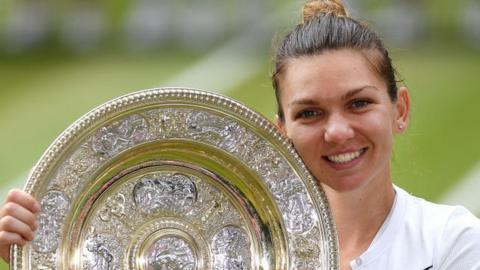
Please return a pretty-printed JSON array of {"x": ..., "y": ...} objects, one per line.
[{"x": 402, "y": 107}]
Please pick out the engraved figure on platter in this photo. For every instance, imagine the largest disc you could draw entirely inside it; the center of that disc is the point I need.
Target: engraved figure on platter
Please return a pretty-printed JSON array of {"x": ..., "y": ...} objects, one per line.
[
  {"x": 168, "y": 122},
  {"x": 231, "y": 249},
  {"x": 54, "y": 206},
  {"x": 102, "y": 258},
  {"x": 119, "y": 135},
  {"x": 115, "y": 206},
  {"x": 145, "y": 192},
  {"x": 232, "y": 134},
  {"x": 197, "y": 121},
  {"x": 307, "y": 251},
  {"x": 80, "y": 163},
  {"x": 183, "y": 191},
  {"x": 298, "y": 214},
  {"x": 215, "y": 130},
  {"x": 134, "y": 128},
  {"x": 46, "y": 236},
  {"x": 106, "y": 141},
  {"x": 175, "y": 192},
  {"x": 170, "y": 253}
]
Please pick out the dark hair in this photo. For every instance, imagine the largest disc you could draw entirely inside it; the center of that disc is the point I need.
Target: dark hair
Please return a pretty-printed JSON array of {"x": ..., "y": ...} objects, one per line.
[{"x": 327, "y": 26}]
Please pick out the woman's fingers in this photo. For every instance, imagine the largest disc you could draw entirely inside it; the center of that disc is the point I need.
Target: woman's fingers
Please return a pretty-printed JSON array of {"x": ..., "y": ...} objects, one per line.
[
  {"x": 17, "y": 220},
  {"x": 11, "y": 224},
  {"x": 24, "y": 199},
  {"x": 20, "y": 213},
  {"x": 7, "y": 239}
]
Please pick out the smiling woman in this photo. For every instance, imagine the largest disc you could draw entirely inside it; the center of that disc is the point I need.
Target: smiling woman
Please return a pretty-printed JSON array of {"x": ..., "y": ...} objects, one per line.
[
  {"x": 339, "y": 109},
  {"x": 339, "y": 104}
]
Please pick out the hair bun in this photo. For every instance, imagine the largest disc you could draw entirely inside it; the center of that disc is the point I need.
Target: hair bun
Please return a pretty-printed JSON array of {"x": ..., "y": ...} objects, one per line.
[{"x": 313, "y": 8}]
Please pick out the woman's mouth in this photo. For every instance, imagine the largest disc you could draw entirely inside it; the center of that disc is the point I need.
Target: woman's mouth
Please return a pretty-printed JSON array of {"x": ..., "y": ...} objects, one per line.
[{"x": 346, "y": 157}]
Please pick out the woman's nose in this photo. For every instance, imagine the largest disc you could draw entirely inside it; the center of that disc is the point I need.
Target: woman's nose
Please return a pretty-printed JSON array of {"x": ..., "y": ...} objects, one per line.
[{"x": 338, "y": 130}]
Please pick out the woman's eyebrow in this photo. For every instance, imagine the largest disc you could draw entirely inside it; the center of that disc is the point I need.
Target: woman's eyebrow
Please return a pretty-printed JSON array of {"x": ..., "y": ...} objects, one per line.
[
  {"x": 354, "y": 92},
  {"x": 303, "y": 101},
  {"x": 349, "y": 94}
]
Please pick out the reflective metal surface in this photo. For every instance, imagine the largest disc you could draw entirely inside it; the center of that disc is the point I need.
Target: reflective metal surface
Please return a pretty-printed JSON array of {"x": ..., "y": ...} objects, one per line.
[{"x": 176, "y": 179}]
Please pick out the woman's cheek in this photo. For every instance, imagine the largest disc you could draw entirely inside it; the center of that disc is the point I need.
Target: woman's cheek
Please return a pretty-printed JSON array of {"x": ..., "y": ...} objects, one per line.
[{"x": 304, "y": 141}]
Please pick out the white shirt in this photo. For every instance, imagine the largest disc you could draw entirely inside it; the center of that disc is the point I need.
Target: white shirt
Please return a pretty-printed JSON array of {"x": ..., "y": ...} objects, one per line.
[{"x": 419, "y": 235}]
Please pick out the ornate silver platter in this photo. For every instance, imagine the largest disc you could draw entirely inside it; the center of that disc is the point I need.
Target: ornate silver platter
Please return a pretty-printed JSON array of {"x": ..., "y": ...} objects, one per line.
[{"x": 176, "y": 179}]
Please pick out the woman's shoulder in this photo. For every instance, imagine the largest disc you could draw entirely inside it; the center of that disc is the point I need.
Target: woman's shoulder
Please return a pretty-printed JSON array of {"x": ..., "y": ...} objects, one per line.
[
  {"x": 453, "y": 231},
  {"x": 435, "y": 213}
]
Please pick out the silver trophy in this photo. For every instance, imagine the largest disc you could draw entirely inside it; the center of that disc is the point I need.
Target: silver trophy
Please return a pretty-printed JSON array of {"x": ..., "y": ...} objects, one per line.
[{"x": 176, "y": 179}]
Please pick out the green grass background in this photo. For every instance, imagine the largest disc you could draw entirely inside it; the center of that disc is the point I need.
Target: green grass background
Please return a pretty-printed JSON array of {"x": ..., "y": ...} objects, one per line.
[{"x": 42, "y": 94}]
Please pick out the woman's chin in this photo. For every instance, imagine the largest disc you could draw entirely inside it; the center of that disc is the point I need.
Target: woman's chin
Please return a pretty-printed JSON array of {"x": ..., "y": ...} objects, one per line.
[{"x": 340, "y": 185}]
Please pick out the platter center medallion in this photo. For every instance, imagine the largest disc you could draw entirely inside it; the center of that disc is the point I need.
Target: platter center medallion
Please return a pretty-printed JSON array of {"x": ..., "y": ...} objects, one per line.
[{"x": 170, "y": 252}]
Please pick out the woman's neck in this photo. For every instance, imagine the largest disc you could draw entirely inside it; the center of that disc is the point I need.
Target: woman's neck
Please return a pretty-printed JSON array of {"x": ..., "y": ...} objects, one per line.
[{"x": 358, "y": 216}]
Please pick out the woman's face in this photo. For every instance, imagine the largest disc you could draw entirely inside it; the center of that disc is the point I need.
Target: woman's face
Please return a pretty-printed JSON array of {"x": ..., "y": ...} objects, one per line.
[{"x": 340, "y": 118}]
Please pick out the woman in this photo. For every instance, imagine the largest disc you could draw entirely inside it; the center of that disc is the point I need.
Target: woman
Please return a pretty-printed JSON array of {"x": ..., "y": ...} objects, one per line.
[{"x": 339, "y": 104}]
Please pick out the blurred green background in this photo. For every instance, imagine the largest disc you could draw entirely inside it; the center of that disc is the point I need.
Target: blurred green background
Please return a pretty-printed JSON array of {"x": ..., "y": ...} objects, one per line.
[{"x": 51, "y": 77}]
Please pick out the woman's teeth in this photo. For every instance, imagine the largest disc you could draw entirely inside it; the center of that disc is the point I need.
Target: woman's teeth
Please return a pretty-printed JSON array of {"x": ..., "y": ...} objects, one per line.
[{"x": 345, "y": 157}]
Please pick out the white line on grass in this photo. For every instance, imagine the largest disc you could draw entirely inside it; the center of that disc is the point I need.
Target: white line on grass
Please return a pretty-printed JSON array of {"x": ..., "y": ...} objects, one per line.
[
  {"x": 220, "y": 71},
  {"x": 466, "y": 192}
]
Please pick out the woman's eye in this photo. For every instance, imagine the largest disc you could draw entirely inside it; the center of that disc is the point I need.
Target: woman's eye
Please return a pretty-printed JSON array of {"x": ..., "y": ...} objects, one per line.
[
  {"x": 360, "y": 103},
  {"x": 307, "y": 114}
]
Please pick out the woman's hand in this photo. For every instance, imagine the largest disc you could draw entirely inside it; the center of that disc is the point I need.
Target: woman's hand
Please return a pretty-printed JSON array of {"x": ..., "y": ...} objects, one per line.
[{"x": 17, "y": 220}]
